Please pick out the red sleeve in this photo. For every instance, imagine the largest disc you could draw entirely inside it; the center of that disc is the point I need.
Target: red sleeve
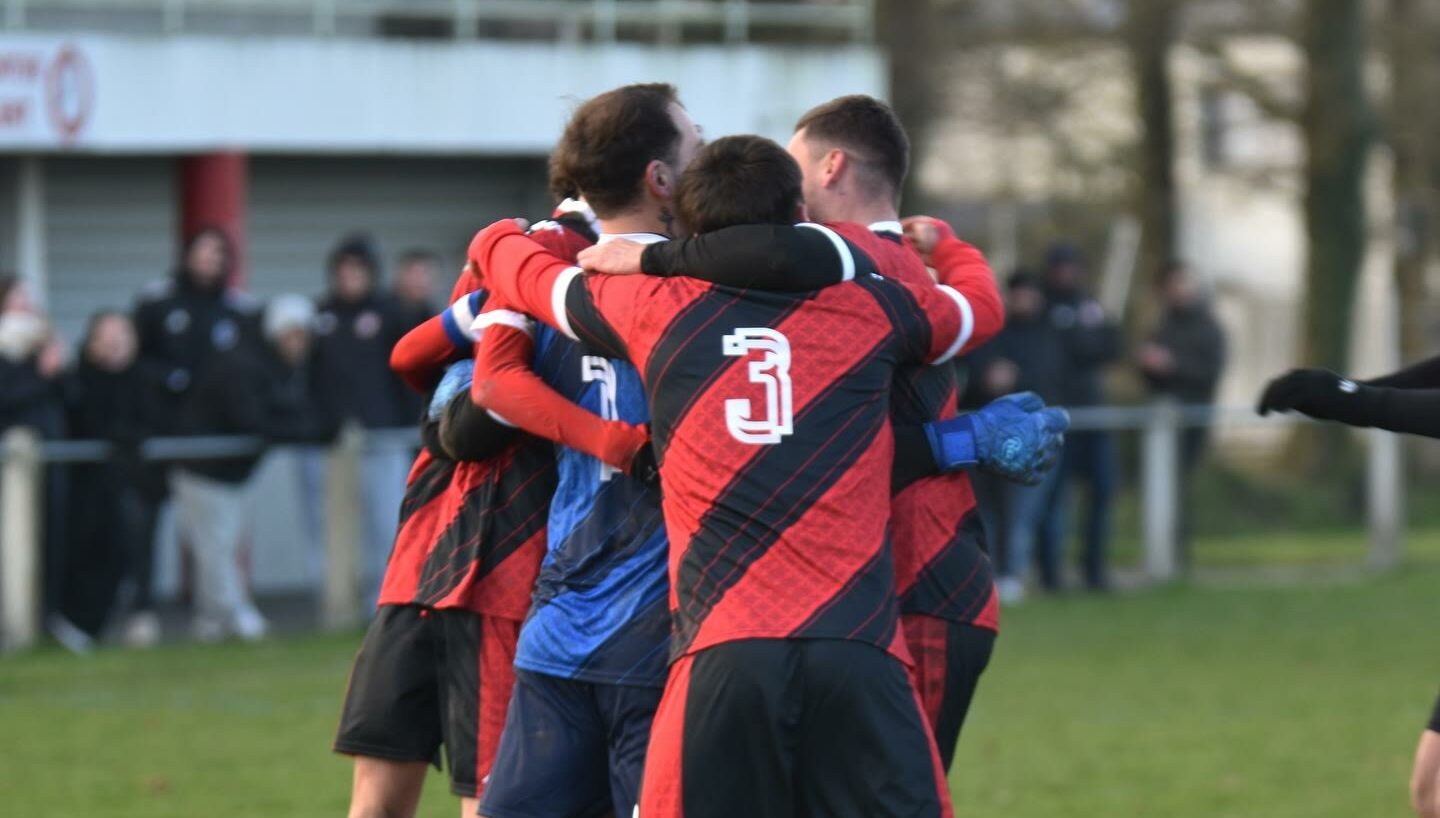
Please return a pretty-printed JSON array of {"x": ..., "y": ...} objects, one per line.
[
  {"x": 524, "y": 273},
  {"x": 506, "y": 384},
  {"x": 421, "y": 355},
  {"x": 939, "y": 327},
  {"x": 962, "y": 267},
  {"x": 599, "y": 310}
]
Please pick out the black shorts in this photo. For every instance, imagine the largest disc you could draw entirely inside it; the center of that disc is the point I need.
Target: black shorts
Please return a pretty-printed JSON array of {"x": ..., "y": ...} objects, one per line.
[
  {"x": 571, "y": 749},
  {"x": 787, "y": 727},
  {"x": 949, "y": 658},
  {"x": 425, "y": 678}
]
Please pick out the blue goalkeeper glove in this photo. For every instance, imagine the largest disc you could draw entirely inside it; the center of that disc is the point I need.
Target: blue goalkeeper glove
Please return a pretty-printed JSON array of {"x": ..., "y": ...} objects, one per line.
[
  {"x": 1015, "y": 437},
  {"x": 455, "y": 381}
]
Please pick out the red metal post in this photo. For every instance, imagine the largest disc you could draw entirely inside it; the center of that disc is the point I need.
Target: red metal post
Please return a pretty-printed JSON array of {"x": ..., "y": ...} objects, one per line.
[{"x": 213, "y": 193}]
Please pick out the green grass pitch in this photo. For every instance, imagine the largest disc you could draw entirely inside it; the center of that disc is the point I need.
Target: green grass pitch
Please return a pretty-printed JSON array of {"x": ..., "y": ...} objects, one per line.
[{"x": 1182, "y": 702}]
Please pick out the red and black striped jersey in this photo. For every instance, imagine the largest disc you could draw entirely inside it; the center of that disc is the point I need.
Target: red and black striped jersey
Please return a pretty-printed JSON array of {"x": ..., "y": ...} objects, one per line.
[
  {"x": 941, "y": 567},
  {"x": 472, "y": 534},
  {"x": 770, "y": 417}
]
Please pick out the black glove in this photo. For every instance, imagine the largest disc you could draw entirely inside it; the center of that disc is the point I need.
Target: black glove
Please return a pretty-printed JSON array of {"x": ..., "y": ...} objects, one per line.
[
  {"x": 1319, "y": 393},
  {"x": 643, "y": 466}
]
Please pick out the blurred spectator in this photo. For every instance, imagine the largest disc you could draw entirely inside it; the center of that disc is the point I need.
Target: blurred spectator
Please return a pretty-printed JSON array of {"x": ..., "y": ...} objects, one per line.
[
  {"x": 32, "y": 364},
  {"x": 356, "y": 328},
  {"x": 186, "y": 320},
  {"x": 32, "y": 360},
  {"x": 415, "y": 287},
  {"x": 1183, "y": 359},
  {"x": 414, "y": 293},
  {"x": 111, "y": 397},
  {"x": 243, "y": 393},
  {"x": 1027, "y": 356},
  {"x": 1091, "y": 341}
]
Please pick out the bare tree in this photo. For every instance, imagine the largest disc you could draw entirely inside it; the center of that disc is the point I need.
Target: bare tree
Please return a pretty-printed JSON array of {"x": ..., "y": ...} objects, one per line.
[
  {"x": 1412, "y": 29},
  {"x": 1149, "y": 34},
  {"x": 1338, "y": 126}
]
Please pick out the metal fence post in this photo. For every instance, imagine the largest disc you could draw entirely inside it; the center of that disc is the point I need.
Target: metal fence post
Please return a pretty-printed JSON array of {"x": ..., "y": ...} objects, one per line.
[
  {"x": 340, "y": 596},
  {"x": 22, "y": 475},
  {"x": 1160, "y": 492},
  {"x": 1385, "y": 498}
]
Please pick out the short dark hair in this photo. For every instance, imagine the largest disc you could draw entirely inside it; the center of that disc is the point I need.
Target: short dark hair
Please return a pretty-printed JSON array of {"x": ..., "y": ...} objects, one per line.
[
  {"x": 739, "y": 180},
  {"x": 609, "y": 142},
  {"x": 227, "y": 247},
  {"x": 866, "y": 128}
]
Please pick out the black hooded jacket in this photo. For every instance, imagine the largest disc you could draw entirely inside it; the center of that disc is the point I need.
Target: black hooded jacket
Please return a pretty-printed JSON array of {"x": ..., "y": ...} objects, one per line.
[
  {"x": 183, "y": 327},
  {"x": 351, "y": 366},
  {"x": 249, "y": 393}
]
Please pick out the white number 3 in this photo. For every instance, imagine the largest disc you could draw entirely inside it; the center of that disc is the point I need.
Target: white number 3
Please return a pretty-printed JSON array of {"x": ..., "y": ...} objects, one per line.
[{"x": 772, "y": 371}]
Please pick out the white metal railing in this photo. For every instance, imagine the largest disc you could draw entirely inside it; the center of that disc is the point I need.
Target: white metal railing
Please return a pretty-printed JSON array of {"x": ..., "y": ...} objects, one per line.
[
  {"x": 664, "y": 20},
  {"x": 23, "y": 457}
]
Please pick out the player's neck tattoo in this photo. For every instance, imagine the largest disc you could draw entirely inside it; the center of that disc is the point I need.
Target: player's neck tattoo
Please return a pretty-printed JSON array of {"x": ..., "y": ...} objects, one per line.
[{"x": 668, "y": 219}]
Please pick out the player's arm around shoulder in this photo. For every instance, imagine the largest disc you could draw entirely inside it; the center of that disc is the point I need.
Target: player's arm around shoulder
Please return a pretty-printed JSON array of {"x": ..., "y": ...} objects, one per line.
[
  {"x": 507, "y": 385},
  {"x": 960, "y": 266},
  {"x": 420, "y": 356},
  {"x": 524, "y": 272}
]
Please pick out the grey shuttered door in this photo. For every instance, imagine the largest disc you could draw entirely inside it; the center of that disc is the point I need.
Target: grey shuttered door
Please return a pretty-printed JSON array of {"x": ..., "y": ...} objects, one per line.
[
  {"x": 110, "y": 230},
  {"x": 301, "y": 206}
]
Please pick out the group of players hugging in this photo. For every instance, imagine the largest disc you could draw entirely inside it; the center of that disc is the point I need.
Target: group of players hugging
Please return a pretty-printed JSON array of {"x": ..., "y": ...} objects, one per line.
[{"x": 691, "y": 532}]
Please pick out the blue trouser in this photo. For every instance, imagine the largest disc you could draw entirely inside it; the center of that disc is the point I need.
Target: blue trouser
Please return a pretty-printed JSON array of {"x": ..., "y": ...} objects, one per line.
[
  {"x": 1089, "y": 458},
  {"x": 1025, "y": 514},
  {"x": 571, "y": 749}
]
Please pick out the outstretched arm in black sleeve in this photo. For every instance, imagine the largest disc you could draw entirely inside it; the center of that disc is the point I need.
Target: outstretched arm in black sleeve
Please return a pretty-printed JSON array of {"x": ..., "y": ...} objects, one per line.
[
  {"x": 1324, "y": 395},
  {"x": 785, "y": 258}
]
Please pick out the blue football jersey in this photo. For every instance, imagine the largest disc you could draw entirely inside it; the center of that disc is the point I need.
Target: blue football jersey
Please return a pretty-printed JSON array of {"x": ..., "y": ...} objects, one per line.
[{"x": 600, "y": 610}]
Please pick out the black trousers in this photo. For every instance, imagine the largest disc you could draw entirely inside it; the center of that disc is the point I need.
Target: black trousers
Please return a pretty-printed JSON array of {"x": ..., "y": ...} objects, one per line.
[{"x": 110, "y": 542}]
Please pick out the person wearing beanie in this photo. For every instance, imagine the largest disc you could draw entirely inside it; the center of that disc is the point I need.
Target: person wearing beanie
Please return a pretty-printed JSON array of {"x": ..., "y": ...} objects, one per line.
[
  {"x": 356, "y": 326},
  {"x": 1092, "y": 341}
]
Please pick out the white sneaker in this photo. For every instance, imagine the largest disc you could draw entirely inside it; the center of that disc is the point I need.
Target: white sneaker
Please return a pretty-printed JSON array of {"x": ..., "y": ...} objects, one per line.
[
  {"x": 142, "y": 630},
  {"x": 249, "y": 625},
  {"x": 69, "y": 635},
  {"x": 1011, "y": 590}
]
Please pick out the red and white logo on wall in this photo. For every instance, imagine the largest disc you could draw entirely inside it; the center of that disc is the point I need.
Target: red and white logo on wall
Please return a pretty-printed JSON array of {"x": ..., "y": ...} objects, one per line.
[
  {"x": 47, "y": 93},
  {"x": 69, "y": 92}
]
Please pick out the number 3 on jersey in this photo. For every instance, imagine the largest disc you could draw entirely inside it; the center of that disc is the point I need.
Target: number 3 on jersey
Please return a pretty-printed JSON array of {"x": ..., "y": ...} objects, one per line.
[
  {"x": 595, "y": 369},
  {"x": 771, "y": 370}
]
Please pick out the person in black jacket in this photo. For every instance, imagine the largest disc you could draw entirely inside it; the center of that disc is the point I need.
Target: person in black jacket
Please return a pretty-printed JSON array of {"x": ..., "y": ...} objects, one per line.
[
  {"x": 357, "y": 326},
  {"x": 1091, "y": 341},
  {"x": 1182, "y": 360},
  {"x": 1026, "y": 356},
  {"x": 32, "y": 367},
  {"x": 266, "y": 394},
  {"x": 189, "y": 318},
  {"x": 111, "y": 397}
]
